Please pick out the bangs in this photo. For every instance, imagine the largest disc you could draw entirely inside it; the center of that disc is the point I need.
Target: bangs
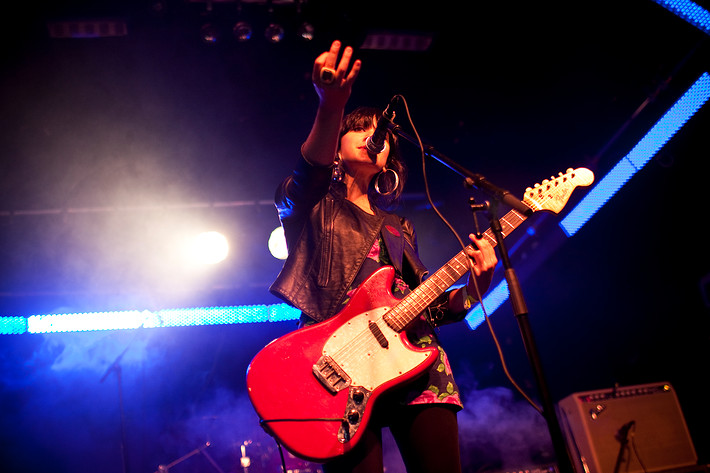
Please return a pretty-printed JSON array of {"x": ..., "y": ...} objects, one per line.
[{"x": 360, "y": 119}]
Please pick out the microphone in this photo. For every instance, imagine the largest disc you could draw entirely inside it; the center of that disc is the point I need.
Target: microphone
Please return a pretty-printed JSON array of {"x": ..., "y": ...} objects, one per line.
[{"x": 376, "y": 142}]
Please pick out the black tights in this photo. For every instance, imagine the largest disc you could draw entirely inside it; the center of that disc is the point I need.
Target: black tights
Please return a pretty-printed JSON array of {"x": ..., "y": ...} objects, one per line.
[{"x": 427, "y": 437}]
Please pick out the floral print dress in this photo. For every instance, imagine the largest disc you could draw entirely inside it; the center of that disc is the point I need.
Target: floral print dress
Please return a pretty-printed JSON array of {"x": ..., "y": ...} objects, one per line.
[{"x": 438, "y": 385}]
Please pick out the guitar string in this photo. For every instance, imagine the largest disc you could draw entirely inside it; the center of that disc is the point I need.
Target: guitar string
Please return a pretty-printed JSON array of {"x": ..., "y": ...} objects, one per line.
[
  {"x": 414, "y": 303},
  {"x": 424, "y": 288},
  {"x": 364, "y": 340}
]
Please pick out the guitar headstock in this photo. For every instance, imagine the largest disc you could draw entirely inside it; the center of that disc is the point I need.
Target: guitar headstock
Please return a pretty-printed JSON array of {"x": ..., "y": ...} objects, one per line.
[{"x": 552, "y": 194}]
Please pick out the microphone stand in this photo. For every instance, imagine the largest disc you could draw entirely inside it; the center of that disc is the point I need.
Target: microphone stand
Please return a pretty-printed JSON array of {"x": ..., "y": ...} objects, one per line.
[
  {"x": 623, "y": 437},
  {"x": 116, "y": 366},
  {"x": 470, "y": 179},
  {"x": 564, "y": 462},
  {"x": 199, "y": 450}
]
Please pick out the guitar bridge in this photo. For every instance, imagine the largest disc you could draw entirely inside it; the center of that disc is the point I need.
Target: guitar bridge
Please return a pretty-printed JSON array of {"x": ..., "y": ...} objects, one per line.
[{"x": 331, "y": 375}]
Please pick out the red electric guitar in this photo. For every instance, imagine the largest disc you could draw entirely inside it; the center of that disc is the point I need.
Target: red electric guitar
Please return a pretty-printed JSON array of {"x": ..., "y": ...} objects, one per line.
[{"x": 314, "y": 388}]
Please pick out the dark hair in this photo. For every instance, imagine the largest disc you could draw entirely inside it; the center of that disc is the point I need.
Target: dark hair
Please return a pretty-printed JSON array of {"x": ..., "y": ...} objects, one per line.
[{"x": 362, "y": 118}]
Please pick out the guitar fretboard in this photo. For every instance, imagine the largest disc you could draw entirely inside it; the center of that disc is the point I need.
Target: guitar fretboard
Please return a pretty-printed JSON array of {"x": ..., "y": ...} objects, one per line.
[{"x": 423, "y": 295}]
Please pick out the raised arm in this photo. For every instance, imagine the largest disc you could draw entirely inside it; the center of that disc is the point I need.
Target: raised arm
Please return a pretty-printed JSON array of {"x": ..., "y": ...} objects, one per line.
[{"x": 333, "y": 80}]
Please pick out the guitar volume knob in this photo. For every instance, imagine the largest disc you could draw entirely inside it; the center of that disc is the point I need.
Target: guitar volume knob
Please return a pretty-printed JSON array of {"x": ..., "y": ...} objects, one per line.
[
  {"x": 358, "y": 396},
  {"x": 353, "y": 416}
]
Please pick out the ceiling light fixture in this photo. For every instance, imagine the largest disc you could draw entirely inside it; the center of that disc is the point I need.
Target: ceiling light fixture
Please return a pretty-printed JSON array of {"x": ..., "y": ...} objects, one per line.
[
  {"x": 242, "y": 31},
  {"x": 209, "y": 33},
  {"x": 306, "y": 31},
  {"x": 274, "y": 33}
]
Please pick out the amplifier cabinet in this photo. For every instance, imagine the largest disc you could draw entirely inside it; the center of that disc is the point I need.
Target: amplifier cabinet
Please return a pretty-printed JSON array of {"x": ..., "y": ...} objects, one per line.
[{"x": 633, "y": 429}]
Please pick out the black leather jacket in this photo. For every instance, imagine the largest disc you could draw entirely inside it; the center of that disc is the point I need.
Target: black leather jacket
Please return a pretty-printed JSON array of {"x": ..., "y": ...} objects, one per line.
[{"x": 328, "y": 240}]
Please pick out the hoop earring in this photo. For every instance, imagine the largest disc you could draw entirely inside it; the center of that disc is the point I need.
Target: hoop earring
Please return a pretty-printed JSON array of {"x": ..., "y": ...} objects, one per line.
[
  {"x": 394, "y": 187},
  {"x": 337, "y": 170}
]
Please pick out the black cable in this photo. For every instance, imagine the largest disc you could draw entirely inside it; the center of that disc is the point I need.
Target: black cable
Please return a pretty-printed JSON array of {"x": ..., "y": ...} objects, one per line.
[{"x": 499, "y": 349}]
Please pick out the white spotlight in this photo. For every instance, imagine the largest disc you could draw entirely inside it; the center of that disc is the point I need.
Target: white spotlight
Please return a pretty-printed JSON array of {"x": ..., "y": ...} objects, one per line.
[
  {"x": 274, "y": 33},
  {"x": 209, "y": 248},
  {"x": 277, "y": 244}
]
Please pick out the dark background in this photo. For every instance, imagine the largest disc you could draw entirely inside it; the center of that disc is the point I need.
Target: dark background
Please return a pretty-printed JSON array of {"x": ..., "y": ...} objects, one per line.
[{"x": 111, "y": 145}]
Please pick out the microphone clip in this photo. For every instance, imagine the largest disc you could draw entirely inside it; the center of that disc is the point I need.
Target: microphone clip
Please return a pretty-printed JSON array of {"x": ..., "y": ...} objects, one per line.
[{"x": 376, "y": 143}]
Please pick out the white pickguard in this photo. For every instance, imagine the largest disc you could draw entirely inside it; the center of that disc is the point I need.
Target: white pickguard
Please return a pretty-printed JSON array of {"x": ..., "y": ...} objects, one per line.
[{"x": 356, "y": 350}]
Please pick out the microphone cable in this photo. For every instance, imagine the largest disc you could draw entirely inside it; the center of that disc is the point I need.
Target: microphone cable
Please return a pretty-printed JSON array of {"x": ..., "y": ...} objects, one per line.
[{"x": 499, "y": 349}]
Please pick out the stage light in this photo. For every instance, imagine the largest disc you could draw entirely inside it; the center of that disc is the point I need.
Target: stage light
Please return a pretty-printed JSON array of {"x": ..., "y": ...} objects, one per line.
[
  {"x": 242, "y": 31},
  {"x": 100, "y": 28},
  {"x": 209, "y": 34},
  {"x": 12, "y": 325},
  {"x": 274, "y": 33},
  {"x": 306, "y": 31},
  {"x": 208, "y": 248},
  {"x": 134, "y": 319},
  {"x": 689, "y": 11},
  {"x": 277, "y": 244},
  {"x": 84, "y": 322},
  {"x": 397, "y": 41}
]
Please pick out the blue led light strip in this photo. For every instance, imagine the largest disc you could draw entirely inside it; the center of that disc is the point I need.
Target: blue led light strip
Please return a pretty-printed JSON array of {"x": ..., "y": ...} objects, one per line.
[
  {"x": 694, "y": 98},
  {"x": 689, "y": 11},
  {"x": 491, "y": 301},
  {"x": 132, "y": 319},
  {"x": 12, "y": 325}
]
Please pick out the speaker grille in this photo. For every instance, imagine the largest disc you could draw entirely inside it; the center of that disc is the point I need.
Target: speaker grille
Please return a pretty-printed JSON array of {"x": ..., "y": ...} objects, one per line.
[{"x": 648, "y": 417}]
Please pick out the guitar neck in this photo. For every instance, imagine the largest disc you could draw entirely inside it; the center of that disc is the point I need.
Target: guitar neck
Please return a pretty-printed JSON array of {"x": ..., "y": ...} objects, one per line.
[{"x": 423, "y": 295}]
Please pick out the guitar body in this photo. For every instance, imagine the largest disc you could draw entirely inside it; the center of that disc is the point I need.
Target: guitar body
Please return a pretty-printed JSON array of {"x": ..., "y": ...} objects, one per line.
[{"x": 314, "y": 388}]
